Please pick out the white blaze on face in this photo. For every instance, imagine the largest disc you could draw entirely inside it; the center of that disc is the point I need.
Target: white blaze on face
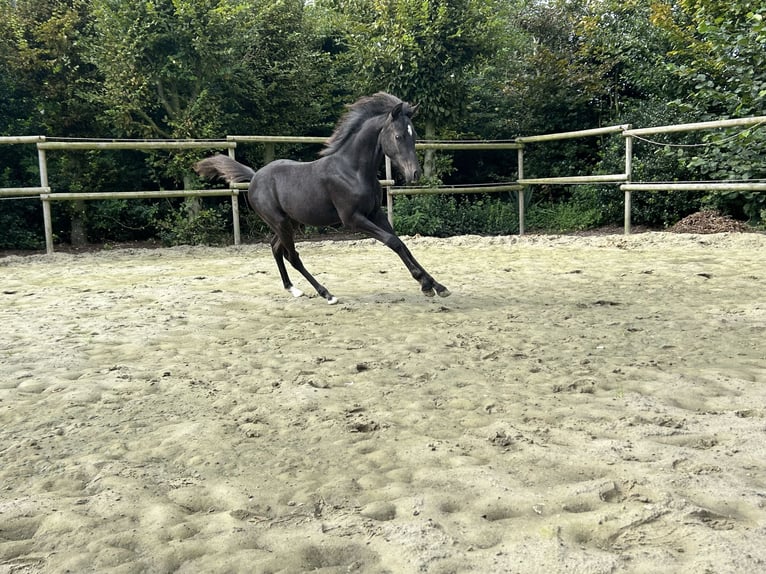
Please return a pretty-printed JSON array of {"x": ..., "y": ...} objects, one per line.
[{"x": 409, "y": 130}]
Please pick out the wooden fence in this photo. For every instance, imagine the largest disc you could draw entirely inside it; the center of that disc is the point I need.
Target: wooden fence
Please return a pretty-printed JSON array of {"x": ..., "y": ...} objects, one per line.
[{"x": 46, "y": 194}]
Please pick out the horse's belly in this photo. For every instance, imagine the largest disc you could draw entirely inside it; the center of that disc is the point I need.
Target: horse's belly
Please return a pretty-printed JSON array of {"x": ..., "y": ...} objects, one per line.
[
  {"x": 293, "y": 189},
  {"x": 319, "y": 215}
]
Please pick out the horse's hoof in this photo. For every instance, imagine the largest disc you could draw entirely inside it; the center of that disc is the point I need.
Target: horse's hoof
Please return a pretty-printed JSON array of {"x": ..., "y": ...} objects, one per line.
[
  {"x": 332, "y": 300},
  {"x": 294, "y": 291},
  {"x": 428, "y": 292},
  {"x": 444, "y": 292}
]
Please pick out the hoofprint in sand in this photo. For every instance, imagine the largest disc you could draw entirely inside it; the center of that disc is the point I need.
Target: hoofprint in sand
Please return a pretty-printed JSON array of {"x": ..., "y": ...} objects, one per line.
[{"x": 591, "y": 404}]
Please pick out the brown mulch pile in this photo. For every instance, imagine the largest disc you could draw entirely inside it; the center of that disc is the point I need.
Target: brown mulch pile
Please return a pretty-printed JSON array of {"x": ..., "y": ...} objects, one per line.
[{"x": 708, "y": 222}]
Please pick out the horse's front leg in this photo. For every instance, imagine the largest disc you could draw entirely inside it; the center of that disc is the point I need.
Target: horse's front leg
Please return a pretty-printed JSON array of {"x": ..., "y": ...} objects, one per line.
[{"x": 378, "y": 227}]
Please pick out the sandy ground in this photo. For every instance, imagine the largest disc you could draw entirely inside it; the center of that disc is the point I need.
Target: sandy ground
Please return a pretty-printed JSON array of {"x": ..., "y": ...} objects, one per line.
[{"x": 590, "y": 404}]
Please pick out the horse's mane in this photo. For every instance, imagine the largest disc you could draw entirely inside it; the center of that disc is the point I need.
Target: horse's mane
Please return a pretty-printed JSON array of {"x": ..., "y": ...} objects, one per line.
[{"x": 359, "y": 112}]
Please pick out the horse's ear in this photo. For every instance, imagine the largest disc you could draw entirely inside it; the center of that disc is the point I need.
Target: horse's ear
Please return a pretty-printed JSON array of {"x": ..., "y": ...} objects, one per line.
[
  {"x": 397, "y": 111},
  {"x": 413, "y": 111}
]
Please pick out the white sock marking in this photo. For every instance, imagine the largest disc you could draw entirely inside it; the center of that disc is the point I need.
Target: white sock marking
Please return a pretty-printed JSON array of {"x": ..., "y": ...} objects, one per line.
[{"x": 294, "y": 291}]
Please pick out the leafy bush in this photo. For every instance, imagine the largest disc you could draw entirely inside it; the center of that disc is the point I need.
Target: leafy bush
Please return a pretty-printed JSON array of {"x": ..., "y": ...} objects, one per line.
[
  {"x": 443, "y": 215},
  {"x": 749, "y": 205},
  {"x": 251, "y": 225},
  {"x": 663, "y": 208},
  {"x": 122, "y": 220},
  {"x": 21, "y": 225},
  {"x": 605, "y": 205},
  {"x": 207, "y": 227},
  {"x": 562, "y": 217}
]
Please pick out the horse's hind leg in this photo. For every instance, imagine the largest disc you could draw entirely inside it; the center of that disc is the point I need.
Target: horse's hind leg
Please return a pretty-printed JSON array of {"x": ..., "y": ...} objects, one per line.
[
  {"x": 285, "y": 249},
  {"x": 278, "y": 251}
]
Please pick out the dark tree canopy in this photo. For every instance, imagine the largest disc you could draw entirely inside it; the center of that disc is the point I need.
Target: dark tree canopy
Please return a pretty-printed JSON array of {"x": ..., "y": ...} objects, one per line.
[{"x": 478, "y": 68}]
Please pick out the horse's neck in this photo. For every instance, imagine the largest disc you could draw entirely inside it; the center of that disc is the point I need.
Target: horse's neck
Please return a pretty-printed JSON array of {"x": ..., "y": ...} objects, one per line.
[{"x": 365, "y": 150}]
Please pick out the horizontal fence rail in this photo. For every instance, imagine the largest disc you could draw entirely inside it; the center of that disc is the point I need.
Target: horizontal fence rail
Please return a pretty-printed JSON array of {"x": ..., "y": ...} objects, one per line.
[
  {"x": 575, "y": 179},
  {"x": 137, "y": 144},
  {"x": 414, "y": 190},
  {"x": 697, "y": 126},
  {"x": 46, "y": 193},
  {"x": 278, "y": 139},
  {"x": 22, "y": 191},
  {"x": 83, "y": 196},
  {"x": 466, "y": 145},
  {"x": 21, "y": 139},
  {"x": 695, "y": 186},
  {"x": 575, "y": 134}
]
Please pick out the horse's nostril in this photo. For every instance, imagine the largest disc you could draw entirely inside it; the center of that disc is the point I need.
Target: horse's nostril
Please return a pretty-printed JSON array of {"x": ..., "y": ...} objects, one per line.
[{"x": 416, "y": 175}]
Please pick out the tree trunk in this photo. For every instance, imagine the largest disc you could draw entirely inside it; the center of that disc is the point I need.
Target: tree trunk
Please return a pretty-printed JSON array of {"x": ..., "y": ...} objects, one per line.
[
  {"x": 193, "y": 205},
  {"x": 78, "y": 230}
]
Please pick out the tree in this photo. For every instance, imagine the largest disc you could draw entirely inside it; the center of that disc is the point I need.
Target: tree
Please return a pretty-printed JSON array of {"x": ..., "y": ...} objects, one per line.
[
  {"x": 199, "y": 68},
  {"x": 46, "y": 77},
  {"x": 424, "y": 51},
  {"x": 718, "y": 52},
  {"x": 719, "y": 56},
  {"x": 42, "y": 54},
  {"x": 202, "y": 69}
]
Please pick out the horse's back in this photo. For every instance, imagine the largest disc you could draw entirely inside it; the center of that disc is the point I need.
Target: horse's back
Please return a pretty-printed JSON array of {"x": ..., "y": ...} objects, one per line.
[{"x": 283, "y": 172}]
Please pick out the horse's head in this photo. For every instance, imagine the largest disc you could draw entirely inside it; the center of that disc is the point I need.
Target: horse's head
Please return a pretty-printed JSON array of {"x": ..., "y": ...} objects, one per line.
[{"x": 398, "y": 141}]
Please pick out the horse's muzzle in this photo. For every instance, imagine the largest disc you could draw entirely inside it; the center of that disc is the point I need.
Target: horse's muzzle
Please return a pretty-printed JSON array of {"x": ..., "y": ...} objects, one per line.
[{"x": 411, "y": 175}]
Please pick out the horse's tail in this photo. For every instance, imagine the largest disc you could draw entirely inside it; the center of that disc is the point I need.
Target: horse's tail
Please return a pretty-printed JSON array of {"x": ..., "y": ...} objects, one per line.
[{"x": 223, "y": 167}]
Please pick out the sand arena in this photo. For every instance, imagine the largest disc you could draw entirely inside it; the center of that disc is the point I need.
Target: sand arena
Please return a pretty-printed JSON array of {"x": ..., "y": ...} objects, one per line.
[{"x": 591, "y": 404}]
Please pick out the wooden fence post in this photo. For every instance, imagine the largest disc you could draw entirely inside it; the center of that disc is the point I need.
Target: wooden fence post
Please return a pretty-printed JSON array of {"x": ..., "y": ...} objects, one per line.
[
  {"x": 268, "y": 153},
  {"x": 47, "y": 219},
  {"x": 628, "y": 168},
  {"x": 520, "y": 176},
  {"x": 235, "y": 206},
  {"x": 389, "y": 197}
]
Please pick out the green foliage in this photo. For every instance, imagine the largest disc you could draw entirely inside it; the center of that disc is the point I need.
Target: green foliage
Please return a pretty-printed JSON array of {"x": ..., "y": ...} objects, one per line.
[
  {"x": 164, "y": 65},
  {"x": 423, "y": 51},
  {"x": 588, "y": 206},
  {"x": 20, "y": 219},
  {"x": 252, "y": 226},
  {"x": 489, "y": 69},
  {"x": 551, "y": 88},
  {"x": 201, "y": 69},
  {"x": 718, "y": 54},
  {"x": 43, "y": 66},
  {"x": 441, "y": 168},
  {"x": 746, "y": 205},
  {"x": 719, "y": 57},
  {"x": 443, "y": 215},
  {"x": 561, "y": 217},
  {"x": 21, "y": 224},
  {"x": 206, "y": 227},
  {"x": 122, "y": 220},
  {"x": 592, "y": 206},
  {"x": 619, "y": 44},
  {"x": 664, "y": 208}
]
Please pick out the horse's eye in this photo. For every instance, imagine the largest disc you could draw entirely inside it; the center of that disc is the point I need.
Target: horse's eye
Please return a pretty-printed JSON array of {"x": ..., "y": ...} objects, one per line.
[{"x": 398, "y": 137}]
